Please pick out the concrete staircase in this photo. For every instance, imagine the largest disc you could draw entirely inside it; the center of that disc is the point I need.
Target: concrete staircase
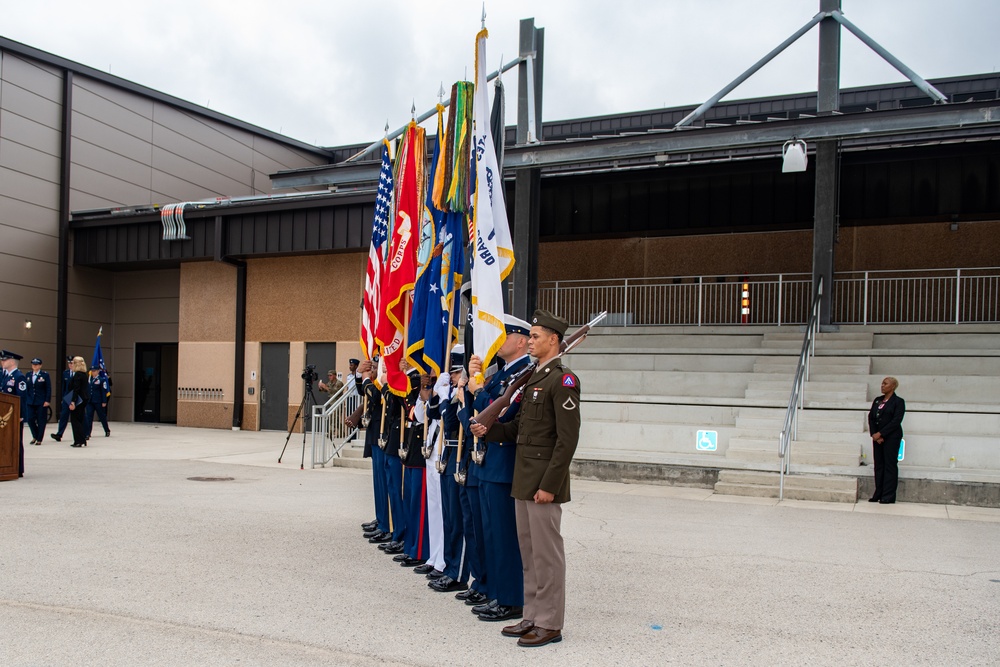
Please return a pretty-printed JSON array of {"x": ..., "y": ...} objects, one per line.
[
  {"x": 649, "y": 391},
  {"x": 825, "y": 488}
]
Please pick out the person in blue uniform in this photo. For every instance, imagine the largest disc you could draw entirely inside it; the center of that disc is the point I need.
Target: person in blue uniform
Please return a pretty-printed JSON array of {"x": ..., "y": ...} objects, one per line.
[
  {"x": 98, "y": 401},
  {"x": 393, "y": 430},
  {"x": 64, "y": 413},
  {"x": 503, "y": 556},
  {"x": 39, "y": 399},
  {"x": 472, "y": 520},
  {"x": 416, "y": 540},
  {"x": 14, "y": 382},
  {"x": 455, "y": 575},
  {"x": 380, "y": 529}
]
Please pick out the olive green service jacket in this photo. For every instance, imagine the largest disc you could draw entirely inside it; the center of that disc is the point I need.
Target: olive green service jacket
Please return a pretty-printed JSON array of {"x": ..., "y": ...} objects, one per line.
[{"x": 546, "y": 429}]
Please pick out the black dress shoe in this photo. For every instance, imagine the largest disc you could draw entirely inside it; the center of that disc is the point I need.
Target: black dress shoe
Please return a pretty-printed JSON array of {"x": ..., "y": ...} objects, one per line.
[
  {"x": 368, "y": 534},
  {"x": 886, "y": 502},
  {"x": 107, "y": 434},
  {"x": 370, "y": 525},
  {"x": 501, "y": 613},
  {"x": 399, "y": 558},
  {"x": 435, "y": 574},
  {"x": 873, "y": 499},
  {"x": 447, "y": 585},
  {"x": 480, "y": 608},
  {"x": 380, "y": 538},
  {"x": 56, "y": 437},
  {"x": 394, "y": 548},
  {"x": 76, "y": 444},
  {"x": 426, "y": 568},
  {"x": 475, "y": 597},
  {"x": 411, "y": 562}
]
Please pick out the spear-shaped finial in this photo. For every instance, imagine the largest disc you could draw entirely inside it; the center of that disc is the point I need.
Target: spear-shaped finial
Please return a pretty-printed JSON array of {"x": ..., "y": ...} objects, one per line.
[
  {"x": 413, "y": 110},
  {"x": 441, "y": 93},
  {"x": 484, "y": 16},
  {"x": 386, "y": 127}
]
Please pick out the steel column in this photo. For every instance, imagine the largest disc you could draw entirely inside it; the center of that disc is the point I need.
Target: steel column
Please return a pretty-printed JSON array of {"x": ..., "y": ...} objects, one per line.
[
  {"x": 527, "y": 182},
  {"x": 62, "y": 287},
  {"x": 827, "y": 193}
]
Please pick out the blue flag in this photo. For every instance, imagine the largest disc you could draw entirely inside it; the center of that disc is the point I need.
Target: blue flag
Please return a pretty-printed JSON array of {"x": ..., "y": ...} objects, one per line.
[{"x": 98, "y": 360}]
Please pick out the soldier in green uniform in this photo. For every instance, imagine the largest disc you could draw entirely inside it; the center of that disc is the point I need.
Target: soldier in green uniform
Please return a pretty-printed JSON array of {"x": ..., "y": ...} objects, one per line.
[{"x": 546, "y": 429}]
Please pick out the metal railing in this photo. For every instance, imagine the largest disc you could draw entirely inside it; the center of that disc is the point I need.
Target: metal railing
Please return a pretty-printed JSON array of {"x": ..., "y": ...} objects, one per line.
[
  {"x": 866, "y": 297},
  {"x": 796, "y": 401},
  {"x": 329, "y": 432}
]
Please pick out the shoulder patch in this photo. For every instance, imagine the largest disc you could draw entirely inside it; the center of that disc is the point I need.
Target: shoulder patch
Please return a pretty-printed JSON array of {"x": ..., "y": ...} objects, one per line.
[{"x": 568, "y": 380}]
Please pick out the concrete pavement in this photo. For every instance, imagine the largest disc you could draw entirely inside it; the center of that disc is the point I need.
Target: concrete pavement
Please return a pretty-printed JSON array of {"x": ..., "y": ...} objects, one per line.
[{"x": 113, "y": 555}]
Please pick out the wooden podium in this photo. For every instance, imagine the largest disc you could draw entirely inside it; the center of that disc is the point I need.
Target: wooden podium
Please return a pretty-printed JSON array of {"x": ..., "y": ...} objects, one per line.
[{"x": 10, "y": 436}]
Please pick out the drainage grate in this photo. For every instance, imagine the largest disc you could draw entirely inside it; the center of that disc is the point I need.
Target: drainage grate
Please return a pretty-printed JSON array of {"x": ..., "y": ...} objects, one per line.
[{"x": 211, "y": 479}]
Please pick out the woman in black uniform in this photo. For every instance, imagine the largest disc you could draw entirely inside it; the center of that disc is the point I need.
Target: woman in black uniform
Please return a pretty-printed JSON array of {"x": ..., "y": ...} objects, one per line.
[
  {"x": 78, "y": 395},
  {"x": 885, "y": 423}
]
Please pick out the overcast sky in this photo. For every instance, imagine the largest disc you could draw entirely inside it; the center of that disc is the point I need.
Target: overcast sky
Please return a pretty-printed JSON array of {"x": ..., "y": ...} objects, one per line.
[{"x": 334, "y": 72}]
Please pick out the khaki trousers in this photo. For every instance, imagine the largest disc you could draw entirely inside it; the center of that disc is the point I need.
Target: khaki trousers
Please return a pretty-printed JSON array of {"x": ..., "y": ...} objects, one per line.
[{"x": 543, "y": 561}]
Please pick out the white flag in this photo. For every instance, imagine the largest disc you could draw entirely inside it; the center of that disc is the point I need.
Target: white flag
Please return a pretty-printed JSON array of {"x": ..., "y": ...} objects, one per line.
[{"x": 493, "y": 257}]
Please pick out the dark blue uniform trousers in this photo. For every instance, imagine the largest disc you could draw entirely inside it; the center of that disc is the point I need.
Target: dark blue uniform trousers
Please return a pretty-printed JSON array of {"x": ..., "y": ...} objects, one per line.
[
  {"x": 378, "y": 483},
  {"x": 95, "y": 408},
  {"x": 456, "y": 563},
  {"x": 416, "y": 543},
  {"x": 35, "y": 417},
  {"x": 472, "y": 523},
  {"x": 503, "y": 555},
  {"x": 394, "y": 492},
  {"x": 63, "y": 418}
]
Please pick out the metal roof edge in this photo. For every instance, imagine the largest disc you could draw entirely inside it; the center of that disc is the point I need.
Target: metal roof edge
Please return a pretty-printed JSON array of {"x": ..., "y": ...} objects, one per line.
[{"x": 7, "y": 44}]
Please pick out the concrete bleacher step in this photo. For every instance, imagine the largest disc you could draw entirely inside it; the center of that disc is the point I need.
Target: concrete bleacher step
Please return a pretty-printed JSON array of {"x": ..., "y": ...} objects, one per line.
[
  {"x": 809, "y": 421},
  {"x": 825, "y": 488},
  {"x": 822, "y": 366},
  {"x": 807, "y": 452},
  {"x": 824, "y": 341}
]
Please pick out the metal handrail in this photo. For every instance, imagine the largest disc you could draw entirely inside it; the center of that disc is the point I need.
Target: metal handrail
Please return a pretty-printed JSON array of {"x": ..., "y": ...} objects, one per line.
[
  {"x": 328, "y": 419},
  {"x": 789, "y": 429}
]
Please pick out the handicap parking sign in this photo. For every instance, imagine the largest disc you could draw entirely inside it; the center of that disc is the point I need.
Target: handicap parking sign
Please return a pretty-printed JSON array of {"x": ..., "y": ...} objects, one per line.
[{"x": 708, "y": 441}]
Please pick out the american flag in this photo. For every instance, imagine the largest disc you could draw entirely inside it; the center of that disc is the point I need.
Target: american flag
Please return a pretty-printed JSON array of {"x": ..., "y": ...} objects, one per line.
[{"x": 376, "y": 255}]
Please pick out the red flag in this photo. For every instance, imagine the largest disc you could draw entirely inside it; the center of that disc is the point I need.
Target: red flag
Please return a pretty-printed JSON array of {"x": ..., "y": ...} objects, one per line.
[{"x": 401, "y": 260}]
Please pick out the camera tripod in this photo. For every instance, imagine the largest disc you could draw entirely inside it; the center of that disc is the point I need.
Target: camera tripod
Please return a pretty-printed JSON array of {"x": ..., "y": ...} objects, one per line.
[{"x": 308, "y": 401}]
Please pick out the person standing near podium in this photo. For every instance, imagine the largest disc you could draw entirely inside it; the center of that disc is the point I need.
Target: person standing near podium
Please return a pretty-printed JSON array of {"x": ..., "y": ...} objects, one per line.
[
  {"x": 39, "y": 398},
  {"x": 15, "y": 384}
]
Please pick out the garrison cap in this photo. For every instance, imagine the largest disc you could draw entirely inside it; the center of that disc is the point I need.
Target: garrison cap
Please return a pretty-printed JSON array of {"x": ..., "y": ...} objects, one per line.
[
  {"x": 36, "y": 360},
  {"x": 544, "y": 318},
  {"x": 7, "y": 354},
  {"x": 514, "y": 325}
]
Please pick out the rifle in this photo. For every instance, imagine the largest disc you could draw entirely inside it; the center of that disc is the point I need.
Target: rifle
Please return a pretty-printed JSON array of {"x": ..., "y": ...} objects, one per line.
[{"x": 515, "y": 383}]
